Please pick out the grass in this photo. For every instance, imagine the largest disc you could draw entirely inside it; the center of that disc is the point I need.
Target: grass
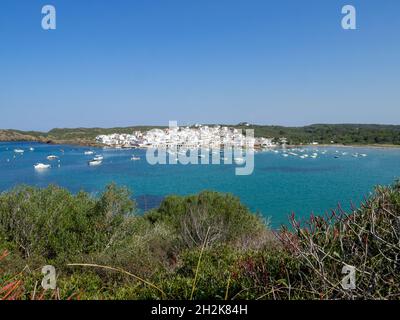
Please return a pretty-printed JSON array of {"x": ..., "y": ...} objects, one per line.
[{"x": 198, "y": 264}]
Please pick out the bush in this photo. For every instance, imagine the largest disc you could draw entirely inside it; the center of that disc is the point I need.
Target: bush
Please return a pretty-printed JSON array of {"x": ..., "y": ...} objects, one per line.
[
  {"x": 219, "y": 216},
  {"x": 55, "y": 224},
  {"x": 206, "y": 246}
]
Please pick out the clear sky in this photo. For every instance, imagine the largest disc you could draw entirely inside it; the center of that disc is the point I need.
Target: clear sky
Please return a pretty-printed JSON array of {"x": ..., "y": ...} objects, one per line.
[{"x": 130, "y": 62}]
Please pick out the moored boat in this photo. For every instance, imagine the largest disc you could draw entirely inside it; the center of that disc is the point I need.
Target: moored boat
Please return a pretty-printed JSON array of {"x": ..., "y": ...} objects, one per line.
[
  {"x": 94, "y": 162},
  {"x": 239, "y": 160},
  {"x": 41, "y": 166}
]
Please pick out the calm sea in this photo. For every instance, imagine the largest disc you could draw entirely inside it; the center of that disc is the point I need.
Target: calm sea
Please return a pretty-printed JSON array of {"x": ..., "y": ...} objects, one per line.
[{"x": 279, "y": 185}]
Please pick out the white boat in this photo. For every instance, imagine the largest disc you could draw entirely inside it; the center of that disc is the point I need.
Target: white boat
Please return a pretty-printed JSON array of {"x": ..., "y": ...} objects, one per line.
[
  {"x": 314, "y": 156},
  {"x": 52, "y": 157},
  {"x": 31, "y": 149},
  {"x": 363, "y": 155},
  {"x": 41, "y": 166},
  {"x": 19, "y": 151},
  {"x": 88, "y": 153},
  {"x": 285, "y": 155},
  {"x": 134, "y": 158},
  {"x": 98, "y": 157},
  {"x": 239, "y": 160},
  {"x": 94, "y": 162}
]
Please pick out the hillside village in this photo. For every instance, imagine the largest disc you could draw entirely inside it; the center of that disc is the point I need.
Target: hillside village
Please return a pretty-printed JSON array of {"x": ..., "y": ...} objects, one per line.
[{"x": 186, "y": 137}]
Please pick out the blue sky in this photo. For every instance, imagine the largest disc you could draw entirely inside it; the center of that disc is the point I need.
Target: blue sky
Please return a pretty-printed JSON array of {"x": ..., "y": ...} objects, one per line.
[{"x": 128, "y": 62}]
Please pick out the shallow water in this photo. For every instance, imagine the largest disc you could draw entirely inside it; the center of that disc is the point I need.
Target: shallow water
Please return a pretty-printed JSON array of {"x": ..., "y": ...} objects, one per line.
[{"x": 277, "y": 187}]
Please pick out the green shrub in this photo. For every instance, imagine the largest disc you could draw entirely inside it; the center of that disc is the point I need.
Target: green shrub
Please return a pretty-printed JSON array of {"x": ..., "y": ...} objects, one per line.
[
  {"x": 206, "y": 246},
  {"x": 221, "y": 217},
  {"x": 57, "y": 225}
]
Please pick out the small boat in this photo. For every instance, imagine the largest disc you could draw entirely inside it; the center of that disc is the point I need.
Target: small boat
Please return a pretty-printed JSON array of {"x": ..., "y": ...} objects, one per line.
[
  {"x": 202, "y": 156},
  {"x": 41, "y": 166},
  {"x": 314, "y": 156},
  {"x": 239, "y": 160},
  {"x": 363, "y": 155},
  {"x": 98, "y": 157},
  {"x": 336, "y": 157},
  {"x": 134, "y": 158},
  {"x": 19, "y": 151},
  {"x": 88, "y": 153},
  {"x": 31, "y": 149},
  {"x": 285, "y": 155},
  {"x": 94, "y": 162},
  {"x": 52, "y": 157}
]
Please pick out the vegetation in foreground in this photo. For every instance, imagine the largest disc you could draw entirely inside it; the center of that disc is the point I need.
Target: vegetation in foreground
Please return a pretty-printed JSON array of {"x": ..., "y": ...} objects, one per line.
[
  {"x": 347, "y": 134},
  {"x": 206, "y": 246}
]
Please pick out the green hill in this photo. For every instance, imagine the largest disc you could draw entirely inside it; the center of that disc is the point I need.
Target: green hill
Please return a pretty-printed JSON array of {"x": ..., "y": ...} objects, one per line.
[{"x": 360, "y": 134}]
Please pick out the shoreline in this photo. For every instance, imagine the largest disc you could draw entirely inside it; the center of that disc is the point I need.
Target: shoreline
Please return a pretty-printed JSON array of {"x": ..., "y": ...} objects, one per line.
[
  {"x": 372, "y": 146},
  {"x": 97, "y": 145}
]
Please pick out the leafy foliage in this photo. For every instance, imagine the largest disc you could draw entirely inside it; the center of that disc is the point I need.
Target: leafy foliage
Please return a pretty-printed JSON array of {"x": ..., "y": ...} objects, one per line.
[{"x": 205, "y": 246}]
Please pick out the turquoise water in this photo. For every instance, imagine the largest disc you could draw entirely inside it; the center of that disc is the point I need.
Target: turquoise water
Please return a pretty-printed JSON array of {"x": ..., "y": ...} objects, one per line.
[{"x": 277, "y": 187}]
